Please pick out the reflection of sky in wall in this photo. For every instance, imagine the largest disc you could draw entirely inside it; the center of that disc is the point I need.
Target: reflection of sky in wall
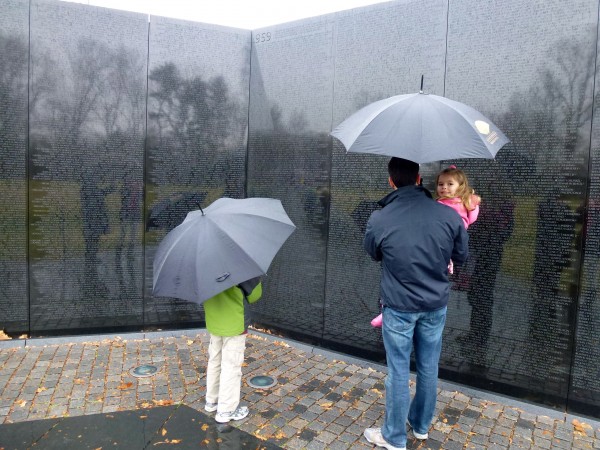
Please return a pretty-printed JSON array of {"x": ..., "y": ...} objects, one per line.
[
  {"x": 497, "y": 46},
  {"x": 221, "y": 51},
  {"x": 409, "y": 41},
  {"x": 65, "y": 34},
  {"x": 298, "y": 80}
]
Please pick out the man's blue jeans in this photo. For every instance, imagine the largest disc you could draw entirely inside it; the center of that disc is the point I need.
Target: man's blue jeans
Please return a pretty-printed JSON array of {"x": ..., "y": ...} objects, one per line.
[{"x": 400, "y": 331}]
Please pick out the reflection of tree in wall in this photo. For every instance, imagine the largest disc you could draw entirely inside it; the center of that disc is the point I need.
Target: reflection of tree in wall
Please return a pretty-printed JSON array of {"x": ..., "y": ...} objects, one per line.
[
  {"x": 92, "y": 115},
  {"x": 292, "y": 163},
  {"x": 548, "y": 127},
  {"x": 196, "y": 122},
  {"x": 13, "y": 129}
]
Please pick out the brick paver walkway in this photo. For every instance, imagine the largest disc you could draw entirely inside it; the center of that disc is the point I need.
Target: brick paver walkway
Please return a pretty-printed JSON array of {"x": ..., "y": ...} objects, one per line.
[{"x": 319, "y": 402}]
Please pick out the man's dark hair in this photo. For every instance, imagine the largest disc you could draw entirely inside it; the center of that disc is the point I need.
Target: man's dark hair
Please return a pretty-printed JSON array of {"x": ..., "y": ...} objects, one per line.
[{"x": 403, "y": 172}]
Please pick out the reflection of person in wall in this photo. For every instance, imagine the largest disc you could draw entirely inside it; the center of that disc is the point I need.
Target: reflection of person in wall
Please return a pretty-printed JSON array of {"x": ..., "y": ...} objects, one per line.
[
  {"x": 488, "y": 236},
  {"x": 224, "y": 314},
  {"x": 554, "y": 240},
  {"x": 95, "y": 224},
  {"x": 130, "y": 216},
  {"x": 414, "y": 237}
]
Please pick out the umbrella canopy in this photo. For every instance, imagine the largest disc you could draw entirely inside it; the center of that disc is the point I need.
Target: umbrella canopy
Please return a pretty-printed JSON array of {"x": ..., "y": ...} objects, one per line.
[
  {"x": 421, "y": 128},
  {"x": 230, "y": 242},
  {"x": 171, "y": 211}
]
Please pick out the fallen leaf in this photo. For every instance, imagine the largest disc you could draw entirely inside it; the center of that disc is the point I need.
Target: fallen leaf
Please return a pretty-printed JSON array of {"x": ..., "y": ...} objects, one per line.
[
  {"x": 163, "y": 432},
  {"x": 23, "y": 336},
  {"x": 125, "y": 385},
  {"x": 146, "y": 405},
  {"x": 280, "y": 435},
  {"x": 190, "y": 342},
  {"x": 4, "y": 336},
  {"x": 581, "y": 427},
  {"x": 78, "y": 381},
  {"x": 41, "y": 389},
  {"x": 162, "y": 402},
  {"x": 22, "y": 403},
  {"x": 204, "y": 427},
  {"x": 168, "y": 441},
  {"x": 143, "y": 417},
  {"x": 205, "y": 442},
  {"x": 326, "y": 405}
]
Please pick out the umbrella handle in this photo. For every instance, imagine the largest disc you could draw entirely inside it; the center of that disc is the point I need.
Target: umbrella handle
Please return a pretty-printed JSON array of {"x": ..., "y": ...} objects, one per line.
[{"x": 421, "y": 91}]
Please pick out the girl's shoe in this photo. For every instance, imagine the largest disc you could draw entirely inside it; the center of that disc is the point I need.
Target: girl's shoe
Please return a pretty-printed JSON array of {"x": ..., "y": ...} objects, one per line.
[{"x": 377, "y": 322}]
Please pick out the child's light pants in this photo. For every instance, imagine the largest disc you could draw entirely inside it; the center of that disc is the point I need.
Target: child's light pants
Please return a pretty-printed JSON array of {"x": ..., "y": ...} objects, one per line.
[{"x": 224, "y": 371}]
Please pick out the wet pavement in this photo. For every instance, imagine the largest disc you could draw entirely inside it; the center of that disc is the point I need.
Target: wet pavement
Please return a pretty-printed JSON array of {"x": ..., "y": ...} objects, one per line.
[{"x": 80, "y": 393}]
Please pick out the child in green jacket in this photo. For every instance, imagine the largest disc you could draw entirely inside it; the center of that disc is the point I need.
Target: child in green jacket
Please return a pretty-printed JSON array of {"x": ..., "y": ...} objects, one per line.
[{"x": 224, "y": 314}]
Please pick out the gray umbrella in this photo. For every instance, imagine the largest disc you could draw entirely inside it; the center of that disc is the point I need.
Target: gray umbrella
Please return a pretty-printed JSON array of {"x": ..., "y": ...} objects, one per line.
[
  {"x": 230, "y": 242},
  {"x": 421, "y": 128}
]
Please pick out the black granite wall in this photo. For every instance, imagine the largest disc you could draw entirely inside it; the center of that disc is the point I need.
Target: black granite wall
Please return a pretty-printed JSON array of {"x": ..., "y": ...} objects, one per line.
[
  {"x": 113, "y": 127},
  {"x": 523, "y": 317},
  {"x": 14, "y": 56}
]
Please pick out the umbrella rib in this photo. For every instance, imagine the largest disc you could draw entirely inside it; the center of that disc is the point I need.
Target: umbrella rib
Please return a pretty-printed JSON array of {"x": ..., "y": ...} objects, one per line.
[
  {"x": 171, "y": 248},
  {"x": 270, "y": 219},
  {"x": 220, "y": 231}
]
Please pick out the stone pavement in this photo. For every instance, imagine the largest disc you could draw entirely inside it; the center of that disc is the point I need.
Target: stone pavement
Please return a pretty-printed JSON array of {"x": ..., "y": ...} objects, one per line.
[{"x": 322, "y": 400}]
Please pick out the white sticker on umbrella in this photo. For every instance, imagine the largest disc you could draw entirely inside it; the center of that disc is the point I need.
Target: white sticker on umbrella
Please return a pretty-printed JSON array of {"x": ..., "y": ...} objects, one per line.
[{"x": 482, "y": 127}]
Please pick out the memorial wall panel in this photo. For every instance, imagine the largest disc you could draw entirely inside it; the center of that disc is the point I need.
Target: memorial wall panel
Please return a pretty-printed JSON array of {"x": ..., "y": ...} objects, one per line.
[
  {"x": 199, "y": 77},
  {"x": 584, "y": 392},
  {"x": 380, "y": 51},
  {"x": 515, "y": 301},
  {"x": 289, "y": 157},
  {"x": 87, "y": 128},
  {"x": 14, "y": 55},
  {"x": 89, "y": 193}
]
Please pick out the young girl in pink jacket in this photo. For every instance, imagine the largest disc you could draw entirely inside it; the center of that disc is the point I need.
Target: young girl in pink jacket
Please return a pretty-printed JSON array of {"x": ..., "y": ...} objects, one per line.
[{"x": 453, "y": 190}]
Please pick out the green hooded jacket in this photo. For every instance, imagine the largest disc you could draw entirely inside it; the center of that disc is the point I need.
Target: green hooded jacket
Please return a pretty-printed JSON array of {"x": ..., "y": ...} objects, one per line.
[{"x": 224, "y": 313}]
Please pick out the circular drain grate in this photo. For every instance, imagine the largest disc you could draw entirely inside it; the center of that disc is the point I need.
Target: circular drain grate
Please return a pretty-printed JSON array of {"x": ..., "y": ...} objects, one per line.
[
  {"x": 262, "y": 382},
  {"x": 143, "y": 371}
]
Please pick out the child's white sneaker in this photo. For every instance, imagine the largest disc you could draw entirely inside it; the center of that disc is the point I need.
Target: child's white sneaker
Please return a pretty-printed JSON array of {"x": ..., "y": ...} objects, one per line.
[
  {"x": 210, "y": 407},
  {"x": 238, "y": 414}
]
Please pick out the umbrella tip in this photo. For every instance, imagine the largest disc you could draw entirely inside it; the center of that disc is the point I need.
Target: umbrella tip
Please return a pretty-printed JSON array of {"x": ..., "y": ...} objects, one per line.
[
  {"x": 421, "y": 91},
  {"x": 201, "y": 210}
]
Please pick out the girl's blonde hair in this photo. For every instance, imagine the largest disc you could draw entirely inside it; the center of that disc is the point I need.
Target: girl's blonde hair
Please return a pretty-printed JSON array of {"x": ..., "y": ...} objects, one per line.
[{"x": 464, "y": 191}]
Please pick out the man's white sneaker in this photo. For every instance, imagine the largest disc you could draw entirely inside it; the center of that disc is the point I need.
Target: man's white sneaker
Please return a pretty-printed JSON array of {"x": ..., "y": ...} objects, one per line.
[
  {"x": 238, "y": 414},
  {"x": 420, "y": 436},
  {"x": 373, "y": 435},
  {"x": 210, "y": 407}
]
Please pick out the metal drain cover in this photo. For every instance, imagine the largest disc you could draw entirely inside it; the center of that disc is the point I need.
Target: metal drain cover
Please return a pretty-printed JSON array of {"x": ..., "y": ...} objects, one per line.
[
  {"x": 262, "y": 382},
  {"x": 143, "y": 371}
]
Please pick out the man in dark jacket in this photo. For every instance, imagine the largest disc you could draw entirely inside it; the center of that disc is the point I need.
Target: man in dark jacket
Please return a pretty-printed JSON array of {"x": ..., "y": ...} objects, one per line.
[{"x": 414, "y": 237}]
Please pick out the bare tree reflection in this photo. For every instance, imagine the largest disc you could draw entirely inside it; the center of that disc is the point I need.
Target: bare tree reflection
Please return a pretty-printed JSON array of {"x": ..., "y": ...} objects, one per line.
[
  {"x": 545, "y": 167},
  {"x": 195, "y": 132},
  {"x": 90, "y": 125}
]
